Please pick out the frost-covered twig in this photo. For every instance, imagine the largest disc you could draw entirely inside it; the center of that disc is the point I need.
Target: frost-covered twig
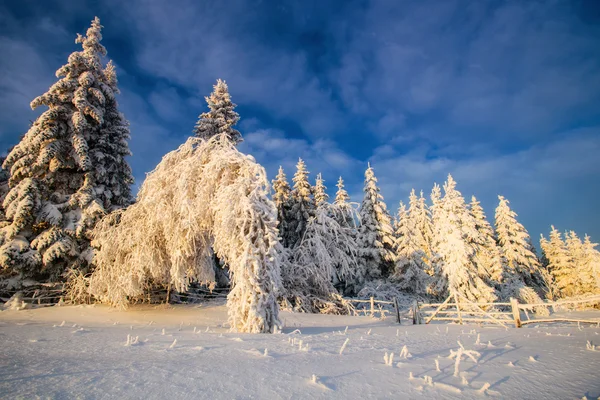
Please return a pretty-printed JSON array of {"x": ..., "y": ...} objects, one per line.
[
  {"x": 388, "y": 359},
  {"x": 344, "y": 346},
  {"x": 590, "y": 346},
  {"x": 404, "y": 352}
]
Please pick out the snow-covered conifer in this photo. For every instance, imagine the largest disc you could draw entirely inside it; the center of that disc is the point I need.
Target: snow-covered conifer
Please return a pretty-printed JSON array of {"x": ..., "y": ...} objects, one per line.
[
  {"x": 342, "y": 202},
  {"x": 3, "y": 190},
  {"x": 327, "y": 254},
  {"x": 222, "y": 116},
  {"x": 456, "y": 251},
  {"x": 204, "y": 195},
  {"x": 320, "y": 190},
  {"x": 303, "y": 205},
  {"x": 341, "y": 196},
  {"x": 424, "y": 226},
  {"x": 590, "y": 267},
  {"x": 375, "y": 236},
  {"x": 436, "y": 197},
  {"x": 282, "y": 199},
  {"x": 488, "y": 254},
  {"x": 410, "y": 266},
  {"x": 516, "y": 250},
  {"x": 68, "y": 170}
]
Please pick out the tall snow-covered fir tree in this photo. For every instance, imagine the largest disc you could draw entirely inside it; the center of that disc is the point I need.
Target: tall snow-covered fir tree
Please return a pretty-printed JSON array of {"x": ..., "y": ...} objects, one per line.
[
  {"x": 584, "y": 280},
  {"x": 456, "y": 251},
  {"x": 302, "y": 204},
  {"x": 345, "y": 215},
  {"x": 488, "y": 254},
  {"x": 410, "y": 266},
  {"x": 282, "y": 198},
  {"x": 435, "y": 211},
  {"x": 572, "y": 263},
  {"x": 68, "y": 170},
  {"x": 3, "y": 190},
  {"x": 516, "y": 250},
  {"x": 375, "y": 236},
  {"x": 424, "y": 226},
  {"x": 590, "y": 264},
  {"x": 222, "y": 116},
  {"x": 320, "y": 190},
  {"x": 342, "y": 202}
]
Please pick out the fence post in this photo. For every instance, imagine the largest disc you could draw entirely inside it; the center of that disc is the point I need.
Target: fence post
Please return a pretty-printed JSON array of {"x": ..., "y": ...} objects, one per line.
[
  {"x": 416, "y": 314},
  {"x": 397, "y": 310},
  {"x": 458, "y": 310},
  {"x": 372, "y": 307},
  {"x": 515, "y": 310}
]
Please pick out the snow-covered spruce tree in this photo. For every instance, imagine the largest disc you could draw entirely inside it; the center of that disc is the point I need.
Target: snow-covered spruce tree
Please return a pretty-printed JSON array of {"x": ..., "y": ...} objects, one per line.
[
  {"x": 488, "y": 254},
  {"x": 375, "y": 237},
  {"x": 320, "y": 190},
  {"x": 204, "y": 194},
  {"x": 342, "y": 201},
  {"x": 435, "y": 266},
  {"x": 3, "y": 191},
  {"x": 456, "y": 252},
  {"x": 590, "y": 264},
  {"x": 346, "y": 217},
  {"x": 327, "y": 250},
  {"x": 222, "y": 116},
  {"x": 68, "y": 170},
  {"x": 302, "y": 204},
  {"x": 518, "y": 257},
  {"x": 583, "y": 281},
  {"x": 410, "y": 266},
  {"x": 424, "y": 226},
  {"x": 282, "y": 198}
]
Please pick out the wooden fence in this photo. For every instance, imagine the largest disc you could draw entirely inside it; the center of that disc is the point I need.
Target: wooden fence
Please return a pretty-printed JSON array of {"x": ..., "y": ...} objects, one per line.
[
  {"x": 455, "y": 308},
  {"x": 463, "y": 310}
]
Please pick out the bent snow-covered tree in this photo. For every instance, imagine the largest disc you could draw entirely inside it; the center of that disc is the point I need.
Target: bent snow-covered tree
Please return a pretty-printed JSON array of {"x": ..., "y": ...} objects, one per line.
[
  {"x": 68, "y": 170},
  {"x": 204, "y": 194}
]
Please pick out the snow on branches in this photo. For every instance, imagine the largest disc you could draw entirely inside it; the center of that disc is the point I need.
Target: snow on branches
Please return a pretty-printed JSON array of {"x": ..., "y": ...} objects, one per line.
[
  {"x": 68, "y": 170},
  {"x": 326, "y": 253},
  {"x": 221, "y": 117},
  {"x": 204, "y": 194}
]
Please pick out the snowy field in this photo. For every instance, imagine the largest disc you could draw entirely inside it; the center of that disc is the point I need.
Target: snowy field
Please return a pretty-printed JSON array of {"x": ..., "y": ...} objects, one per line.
[{"x": 185, "y": 352}]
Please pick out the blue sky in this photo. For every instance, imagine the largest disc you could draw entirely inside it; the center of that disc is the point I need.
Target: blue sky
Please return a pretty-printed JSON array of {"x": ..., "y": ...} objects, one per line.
[{"x": 504, "y": 95}]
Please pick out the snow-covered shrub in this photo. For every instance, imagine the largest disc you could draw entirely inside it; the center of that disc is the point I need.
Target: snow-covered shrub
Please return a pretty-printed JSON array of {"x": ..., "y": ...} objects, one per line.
[
  {"x": 387, "y": 291},
  {"x": 16, "y": 303},
  {"x": 515, "y": 288},
  {"x": 204, "y": 194}
]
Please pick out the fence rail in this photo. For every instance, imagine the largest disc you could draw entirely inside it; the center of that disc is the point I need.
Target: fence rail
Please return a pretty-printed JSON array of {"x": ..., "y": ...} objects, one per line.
[
  {"x": 464, "y": 310},
  {"x": 455, "y": 308}
]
